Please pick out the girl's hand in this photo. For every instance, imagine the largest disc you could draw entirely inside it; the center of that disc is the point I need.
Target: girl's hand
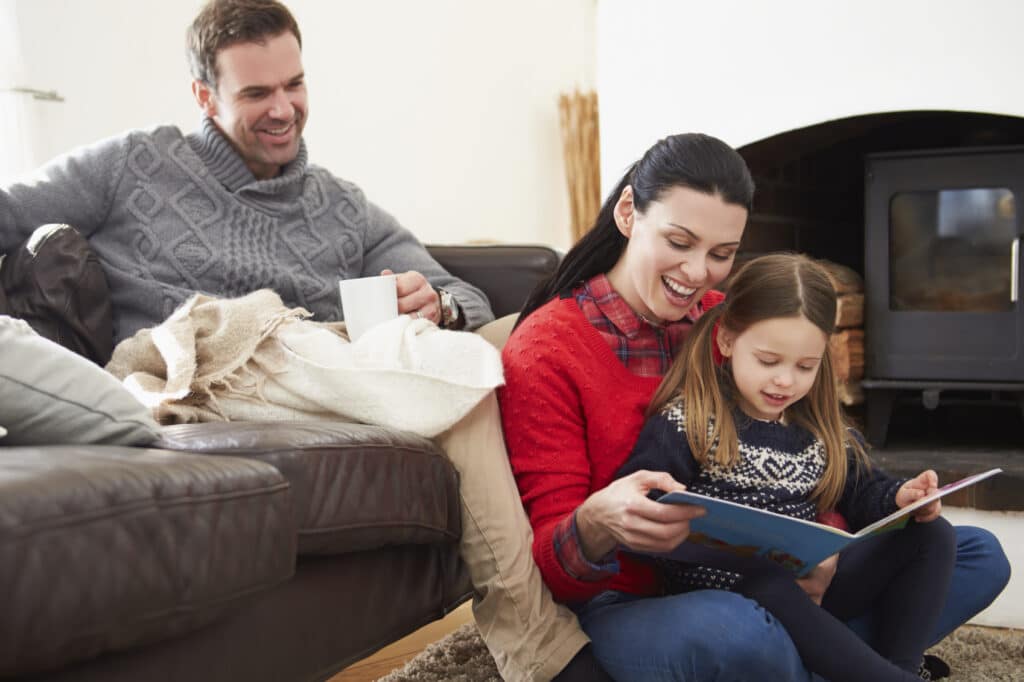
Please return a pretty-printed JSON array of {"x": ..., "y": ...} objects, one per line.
[
  {"x": 817, "y": 581},
  {"x": 926, "y": 483},
  {"x": 621, "y": 514}
]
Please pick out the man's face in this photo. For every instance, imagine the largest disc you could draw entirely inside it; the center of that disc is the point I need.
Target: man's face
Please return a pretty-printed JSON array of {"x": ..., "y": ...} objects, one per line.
[{"x": 260, "y": 101}]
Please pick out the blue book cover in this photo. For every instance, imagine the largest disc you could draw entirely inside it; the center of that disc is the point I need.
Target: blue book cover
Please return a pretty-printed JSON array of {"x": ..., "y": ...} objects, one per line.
[{"x": 798, "y": 545}]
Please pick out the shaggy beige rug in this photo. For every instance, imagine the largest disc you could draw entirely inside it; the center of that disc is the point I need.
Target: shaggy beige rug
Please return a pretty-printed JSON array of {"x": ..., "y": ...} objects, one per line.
[{"x": 976, "y": 654}]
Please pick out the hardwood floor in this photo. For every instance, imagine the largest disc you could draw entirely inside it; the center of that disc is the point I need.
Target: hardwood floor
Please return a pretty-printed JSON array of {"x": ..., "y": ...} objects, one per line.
[{"x": 397, "y": 654}]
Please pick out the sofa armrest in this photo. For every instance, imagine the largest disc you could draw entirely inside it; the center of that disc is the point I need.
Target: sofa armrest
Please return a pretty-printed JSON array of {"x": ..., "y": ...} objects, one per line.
[{"x": 506, "y": 273}]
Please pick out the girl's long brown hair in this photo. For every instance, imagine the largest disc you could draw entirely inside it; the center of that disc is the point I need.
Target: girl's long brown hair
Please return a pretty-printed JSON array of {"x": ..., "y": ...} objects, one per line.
[{"x": 769, "y": 287}]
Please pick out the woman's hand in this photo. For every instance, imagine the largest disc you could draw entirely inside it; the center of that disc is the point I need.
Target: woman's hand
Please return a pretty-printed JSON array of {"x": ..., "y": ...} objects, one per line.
[
  {"x": 621, "y": 514},
  {"x": 926, "y": 483},
  {"x": 817, "y": 581}
]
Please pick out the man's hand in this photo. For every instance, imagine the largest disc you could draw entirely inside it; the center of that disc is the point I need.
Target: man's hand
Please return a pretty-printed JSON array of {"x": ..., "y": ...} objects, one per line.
[
  {"x": 416, "y": 297},
  {"x": 622, "y": 514},
  {"x": 926, "y": 483},
  {"x": 817, "y": 581}
]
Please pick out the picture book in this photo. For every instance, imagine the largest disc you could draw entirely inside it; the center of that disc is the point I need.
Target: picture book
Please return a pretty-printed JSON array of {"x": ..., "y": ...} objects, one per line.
[{"x": 794, "y": 543}]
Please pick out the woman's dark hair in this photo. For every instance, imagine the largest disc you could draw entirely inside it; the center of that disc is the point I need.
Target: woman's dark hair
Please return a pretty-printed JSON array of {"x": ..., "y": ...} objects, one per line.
[
  {"x": 223, "y": 23},
  {"x": 700, "y": 162}
]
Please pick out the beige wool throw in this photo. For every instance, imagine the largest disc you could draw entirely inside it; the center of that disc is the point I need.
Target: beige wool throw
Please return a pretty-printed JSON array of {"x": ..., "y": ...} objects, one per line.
[{"x": 254, "y": 359}]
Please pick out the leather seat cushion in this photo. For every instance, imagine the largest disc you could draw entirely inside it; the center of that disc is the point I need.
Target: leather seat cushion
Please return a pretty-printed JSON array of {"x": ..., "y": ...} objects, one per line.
[
  {"x": 355, "y": 487},
  {"x": 103, "y": 547}
]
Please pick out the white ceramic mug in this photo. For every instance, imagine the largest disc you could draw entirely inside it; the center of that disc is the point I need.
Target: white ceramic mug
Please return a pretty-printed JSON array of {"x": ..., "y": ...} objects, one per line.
[{"x": 368, "y": 301}]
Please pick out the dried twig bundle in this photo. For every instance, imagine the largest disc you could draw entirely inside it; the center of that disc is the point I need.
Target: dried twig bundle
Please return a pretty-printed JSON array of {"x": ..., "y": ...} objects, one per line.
[{"x": 581, "y": 149}]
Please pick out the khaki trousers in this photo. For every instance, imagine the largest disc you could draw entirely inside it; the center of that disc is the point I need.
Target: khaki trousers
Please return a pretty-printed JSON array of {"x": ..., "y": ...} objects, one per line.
[{"x": 530, "y": 636}]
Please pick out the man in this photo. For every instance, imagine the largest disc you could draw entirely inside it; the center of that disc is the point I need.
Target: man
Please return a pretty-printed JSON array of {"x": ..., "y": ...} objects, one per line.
[{"x": 236, "y": 207}]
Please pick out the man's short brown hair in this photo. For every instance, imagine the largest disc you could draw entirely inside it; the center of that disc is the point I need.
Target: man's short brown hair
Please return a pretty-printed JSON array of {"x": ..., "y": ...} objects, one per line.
[{"x": 223, "y": 23}]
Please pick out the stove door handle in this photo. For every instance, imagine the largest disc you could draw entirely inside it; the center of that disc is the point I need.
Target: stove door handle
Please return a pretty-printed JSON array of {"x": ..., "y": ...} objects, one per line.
[{"x": 1014, "y": 268}]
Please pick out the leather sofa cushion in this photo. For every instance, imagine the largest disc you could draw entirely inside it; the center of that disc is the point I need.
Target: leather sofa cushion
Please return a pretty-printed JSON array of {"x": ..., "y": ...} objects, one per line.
[
  {"x": 103, "y": 548},
  {"x": 355, "y": 486}
]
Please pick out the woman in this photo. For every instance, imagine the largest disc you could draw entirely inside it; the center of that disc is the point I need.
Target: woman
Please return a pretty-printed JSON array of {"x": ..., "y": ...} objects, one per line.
[{"x": 589, "y": 350}]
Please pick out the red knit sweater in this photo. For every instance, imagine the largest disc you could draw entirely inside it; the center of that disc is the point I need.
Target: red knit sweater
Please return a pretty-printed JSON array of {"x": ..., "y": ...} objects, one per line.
[{"x": 571, "y": 413}]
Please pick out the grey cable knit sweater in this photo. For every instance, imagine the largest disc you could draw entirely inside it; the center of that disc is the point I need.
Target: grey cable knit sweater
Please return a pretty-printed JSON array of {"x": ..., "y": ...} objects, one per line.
[{"x": 170, "y": 214}]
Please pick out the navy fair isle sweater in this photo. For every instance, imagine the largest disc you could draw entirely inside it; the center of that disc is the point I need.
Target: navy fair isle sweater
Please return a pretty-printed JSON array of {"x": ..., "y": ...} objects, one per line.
[{"x": 779, "y": 467}]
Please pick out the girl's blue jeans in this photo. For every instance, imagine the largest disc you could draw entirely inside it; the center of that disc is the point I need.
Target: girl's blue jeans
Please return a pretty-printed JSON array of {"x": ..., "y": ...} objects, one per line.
[{"x": 718, "y": 636}]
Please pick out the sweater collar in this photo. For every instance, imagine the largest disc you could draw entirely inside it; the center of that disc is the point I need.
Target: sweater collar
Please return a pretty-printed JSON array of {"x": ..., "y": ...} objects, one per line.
[{"x": 228, "y": 167}]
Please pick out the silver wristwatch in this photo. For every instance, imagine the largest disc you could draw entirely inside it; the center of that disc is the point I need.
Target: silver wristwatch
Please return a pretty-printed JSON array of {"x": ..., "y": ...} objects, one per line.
[{"x": 449, "y": 310}]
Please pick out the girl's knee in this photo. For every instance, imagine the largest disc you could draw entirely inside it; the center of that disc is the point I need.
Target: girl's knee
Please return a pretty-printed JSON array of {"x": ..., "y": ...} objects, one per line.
[
  {"x": 939, "y": 532},
  {"x": 935, "y": 539},
  {"x": 770, "y": 587}
]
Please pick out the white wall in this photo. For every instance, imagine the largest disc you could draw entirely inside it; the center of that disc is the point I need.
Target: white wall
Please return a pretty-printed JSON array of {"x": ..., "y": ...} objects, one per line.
[
  {"x": 444, "y": 112},
  {"x": 118, "y": 65},
  {"x": 745, "y": 70}
]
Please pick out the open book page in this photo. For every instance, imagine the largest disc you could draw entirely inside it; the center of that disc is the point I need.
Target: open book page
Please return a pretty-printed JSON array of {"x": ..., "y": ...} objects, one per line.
[{"x": 741, "y": 531}]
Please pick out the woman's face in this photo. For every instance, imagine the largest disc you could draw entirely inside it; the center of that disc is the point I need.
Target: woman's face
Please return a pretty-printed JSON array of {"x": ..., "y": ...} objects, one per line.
[{"x": 683, "y": 245}]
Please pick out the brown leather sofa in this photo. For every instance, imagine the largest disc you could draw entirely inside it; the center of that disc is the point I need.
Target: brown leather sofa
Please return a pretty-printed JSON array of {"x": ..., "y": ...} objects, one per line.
[{"x": 236, "y": 551}]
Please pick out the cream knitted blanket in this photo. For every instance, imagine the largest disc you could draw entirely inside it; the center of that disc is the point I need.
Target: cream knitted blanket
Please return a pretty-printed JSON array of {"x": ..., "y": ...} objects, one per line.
[{"x": 253, "y": 359}]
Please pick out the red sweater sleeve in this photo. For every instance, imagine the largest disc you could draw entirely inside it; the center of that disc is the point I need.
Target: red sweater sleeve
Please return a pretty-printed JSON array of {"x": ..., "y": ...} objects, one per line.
[
  {"x": 544, "y": 425},
  {"x": 571, "y": 412}
]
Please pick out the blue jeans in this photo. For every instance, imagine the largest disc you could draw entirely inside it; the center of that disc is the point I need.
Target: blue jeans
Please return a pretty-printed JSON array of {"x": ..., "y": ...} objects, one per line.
[{"x": 717, "y": 636}]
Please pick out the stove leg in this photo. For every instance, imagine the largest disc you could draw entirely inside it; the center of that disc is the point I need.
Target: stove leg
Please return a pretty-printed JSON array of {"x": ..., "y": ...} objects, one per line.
[{"x": 879, "y": 410}]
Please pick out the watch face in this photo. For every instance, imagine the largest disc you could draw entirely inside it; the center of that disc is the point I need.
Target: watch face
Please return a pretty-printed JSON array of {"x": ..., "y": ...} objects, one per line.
[{"x": 449, "y": 311}]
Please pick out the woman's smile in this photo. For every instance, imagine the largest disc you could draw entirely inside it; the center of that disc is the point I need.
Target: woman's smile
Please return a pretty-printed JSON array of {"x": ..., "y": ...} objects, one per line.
[{"x": 677, "y": 293}]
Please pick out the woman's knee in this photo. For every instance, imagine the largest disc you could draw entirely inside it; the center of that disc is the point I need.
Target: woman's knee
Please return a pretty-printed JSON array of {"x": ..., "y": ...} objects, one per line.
[
  {"x": 749, "y": 638},
  {"x": 705, "y": 635},
  {"x": 980, "y": 553},
  {"x": 734, "y": 636}
]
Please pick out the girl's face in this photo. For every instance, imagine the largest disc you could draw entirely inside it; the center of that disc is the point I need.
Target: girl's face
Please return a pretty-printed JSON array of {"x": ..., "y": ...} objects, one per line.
[
  {"x": 683, "y": 245},
  {"x": 774, "y": 363}
]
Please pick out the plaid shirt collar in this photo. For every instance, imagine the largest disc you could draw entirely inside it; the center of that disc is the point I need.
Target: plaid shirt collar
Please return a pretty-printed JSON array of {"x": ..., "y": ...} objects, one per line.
[{"x": 627, "y": 321}]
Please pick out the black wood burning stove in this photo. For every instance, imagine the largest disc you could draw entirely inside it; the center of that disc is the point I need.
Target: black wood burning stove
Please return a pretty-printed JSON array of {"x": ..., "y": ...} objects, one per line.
[{"x": 942, "y": 282}]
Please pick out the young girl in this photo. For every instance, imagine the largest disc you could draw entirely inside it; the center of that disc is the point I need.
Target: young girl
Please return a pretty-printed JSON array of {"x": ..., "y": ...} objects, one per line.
[{"x": 749, "y": 413}]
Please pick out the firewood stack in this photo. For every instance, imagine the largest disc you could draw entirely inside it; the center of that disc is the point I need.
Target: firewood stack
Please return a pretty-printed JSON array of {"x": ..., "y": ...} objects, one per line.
[{"x": 847, "y": 344}]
